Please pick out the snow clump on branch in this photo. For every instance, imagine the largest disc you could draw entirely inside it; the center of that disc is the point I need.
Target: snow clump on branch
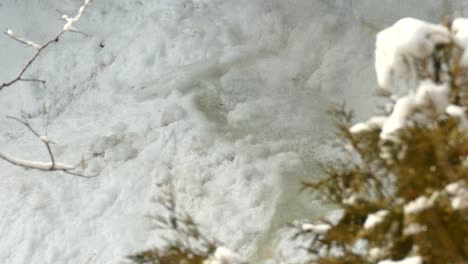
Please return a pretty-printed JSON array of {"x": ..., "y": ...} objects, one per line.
[
  {"x": 223, "y": 255},
  {"x": 460, "y": 36},
  {"x": 396, "y": 49},
  {"x": 374, "y": 219},
  {"x": 430, "y": 97},
  {"x": 406, "y": 39}
]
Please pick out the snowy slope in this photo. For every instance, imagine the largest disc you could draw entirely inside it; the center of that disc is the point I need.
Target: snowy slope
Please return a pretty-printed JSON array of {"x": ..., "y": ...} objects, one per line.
[{"x": 223, "y": 99}]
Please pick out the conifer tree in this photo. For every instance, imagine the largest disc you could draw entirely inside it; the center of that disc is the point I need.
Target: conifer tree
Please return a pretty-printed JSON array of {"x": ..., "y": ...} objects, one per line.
[{"x": 402, "y": 187}]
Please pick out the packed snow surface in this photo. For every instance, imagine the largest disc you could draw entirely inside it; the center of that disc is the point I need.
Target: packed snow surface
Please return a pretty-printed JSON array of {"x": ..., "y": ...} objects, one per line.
[{"x": 223, "y": 99}]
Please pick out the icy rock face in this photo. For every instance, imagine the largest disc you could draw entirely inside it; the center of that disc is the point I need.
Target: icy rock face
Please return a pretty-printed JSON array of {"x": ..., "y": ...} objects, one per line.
[{"x": 222, "y": 99}]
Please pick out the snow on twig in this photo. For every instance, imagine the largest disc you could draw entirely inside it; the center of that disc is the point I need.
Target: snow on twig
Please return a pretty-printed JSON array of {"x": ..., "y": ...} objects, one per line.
[
  {"x": 39, "y": 165},
  {"x": 30, "y": 164},
  {"x": 14, "y": 36},
  {"x": 70, "y": 20}
]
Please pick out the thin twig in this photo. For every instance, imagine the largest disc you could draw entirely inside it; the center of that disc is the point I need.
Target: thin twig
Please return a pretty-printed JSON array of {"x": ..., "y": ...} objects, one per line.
[
  {"x": 67, "y": 27},
  {"x": 43, "y": 82},
  {"x": 44, "y": 139},
  {"x": 43, "y": 166}
]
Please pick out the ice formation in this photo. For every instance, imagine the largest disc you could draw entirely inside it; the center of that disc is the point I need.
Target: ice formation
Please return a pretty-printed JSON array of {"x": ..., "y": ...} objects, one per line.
[{"x": 408, "y": 38}]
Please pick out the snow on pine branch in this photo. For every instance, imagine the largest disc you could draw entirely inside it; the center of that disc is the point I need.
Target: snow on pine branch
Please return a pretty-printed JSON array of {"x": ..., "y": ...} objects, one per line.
[
  {"x": 397, "y": 45},
  {"x": 397, "y": 48},
  {"x": 430, "y": 98},
  {"x": 44, "y": 166},
  {"x": 460, "y": 36},
  {"x": 223, "y": 255},
  {"x": 408, "y": 260},
  {"x": 407, "y": 186},
  {"x": 374, "y": 219}
]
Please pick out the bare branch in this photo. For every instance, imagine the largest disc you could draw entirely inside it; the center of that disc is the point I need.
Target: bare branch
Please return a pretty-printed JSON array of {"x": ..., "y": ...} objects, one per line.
[
  {"x": 26, "y": 124},
  {"x": 38, "y": 165},
  {"x": 28, "y": 42},
  {"x": 70, "y": 20},
  {"x": 67, "y": 27}
]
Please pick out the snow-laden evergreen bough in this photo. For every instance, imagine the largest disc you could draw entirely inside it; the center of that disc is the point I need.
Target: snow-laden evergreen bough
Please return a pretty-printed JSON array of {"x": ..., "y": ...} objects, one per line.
[{"x": 403, "y": 188}]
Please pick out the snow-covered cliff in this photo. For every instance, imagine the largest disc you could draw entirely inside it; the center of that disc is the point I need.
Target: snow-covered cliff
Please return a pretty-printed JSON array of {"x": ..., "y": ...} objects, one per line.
[{"x": 223, "y": 99}]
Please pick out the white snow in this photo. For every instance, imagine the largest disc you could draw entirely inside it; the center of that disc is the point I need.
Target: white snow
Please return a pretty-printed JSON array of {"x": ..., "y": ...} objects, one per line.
[
  {"x": 353, "y": 199},
  {"x": 408, "y": 260},
  {"x": 460, "y": 35},
  {"x": 398, "y": 119},
  {"x": 454, "y": 188},
  {"x": 376, "y": 253},
  {"x": 223, "y": 99},
  {"x": 431, "y": 95},
  {"x": 224, "y": 255},
  {"x": 374, "y": 219},
  {"x": 316, "y": 228},
  {"x": 396, "y": 45},
  {"x": 375, "y": 122},
  {"x": 413, "y": 229},
  {"x": 420, "y": 204},
  {"x": 431, "y": 98},
  {"x": 460, "y": 202},
  {"x": 458, "y": 112},
  {"x": 459, "y": 195}
]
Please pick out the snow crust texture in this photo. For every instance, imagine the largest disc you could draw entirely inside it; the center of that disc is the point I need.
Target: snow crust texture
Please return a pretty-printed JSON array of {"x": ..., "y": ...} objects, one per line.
[{"x": 222, "y": 99}]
